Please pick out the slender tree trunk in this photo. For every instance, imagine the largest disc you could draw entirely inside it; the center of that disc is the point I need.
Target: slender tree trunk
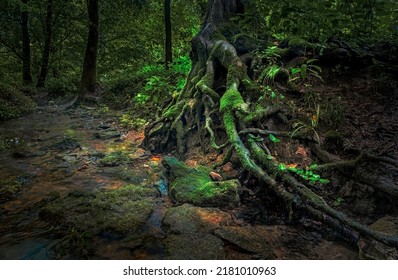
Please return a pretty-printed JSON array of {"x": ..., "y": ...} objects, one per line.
[
  {"x": 167, "y": 19},
  {"x": 47, "y": 45},
  {"x": 89, "y": 74},
  {"x": 26, "y": 76}
]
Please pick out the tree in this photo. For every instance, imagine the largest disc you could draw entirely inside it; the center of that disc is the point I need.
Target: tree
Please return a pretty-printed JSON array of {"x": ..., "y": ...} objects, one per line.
[
  {"x": 215, "y": 106},
  {"x": 47, "y": 45},
  {"x": 168, "y": 43},
  {"x": 26, "y": 75},
  {"x": 89, "y": 73}
]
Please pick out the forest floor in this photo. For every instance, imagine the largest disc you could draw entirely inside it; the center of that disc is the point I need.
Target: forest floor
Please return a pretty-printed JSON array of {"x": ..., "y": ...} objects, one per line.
[{"x": 75, "y": 184}]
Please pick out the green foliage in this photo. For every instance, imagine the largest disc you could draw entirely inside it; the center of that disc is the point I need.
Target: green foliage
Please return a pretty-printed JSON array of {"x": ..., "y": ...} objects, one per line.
[
  {"x": 129, "y": 121},
  {"x": 305, "y": 70},
  {"x": 360, "y": 20},
  {"x": 61, "y": 87},
  {"x": 273, "y": 138},
  {"x": 14, "y": 103},
  {"x": 308, "y": 174}
]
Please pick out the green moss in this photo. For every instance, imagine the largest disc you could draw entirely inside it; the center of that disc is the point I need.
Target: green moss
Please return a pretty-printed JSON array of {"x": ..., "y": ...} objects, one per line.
[
  {"x": 123, "y": 210},
  {"x": 14, "y": 103},
  {"x": 231, "y": 100},
  {"x": 115, "y": 159},
  {"x": 194, "y": 185},
  {"x": 221, "y": 194},
  {"x": 172, "y": 111},
  {"x": 299, "y": 42},
  {"x": 9, "y": 189},
  {"x": 258, "y": 113}
]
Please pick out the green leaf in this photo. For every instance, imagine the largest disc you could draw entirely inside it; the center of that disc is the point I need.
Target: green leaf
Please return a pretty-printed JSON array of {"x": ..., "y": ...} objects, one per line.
[
  {"x": 313, "y": 166},
  {"x": 324, "y": 181},
  {"x": 273, "y": 138},
  {"x": 281, "y": 167},
  {"x": 295, "y": 70},
  {"x": 316, "y": 177}
]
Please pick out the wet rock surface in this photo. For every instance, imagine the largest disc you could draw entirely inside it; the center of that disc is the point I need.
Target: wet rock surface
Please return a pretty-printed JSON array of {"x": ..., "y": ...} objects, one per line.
[
  {"x": 374, "y": 250},
  {"x": 90, "y": 192}
]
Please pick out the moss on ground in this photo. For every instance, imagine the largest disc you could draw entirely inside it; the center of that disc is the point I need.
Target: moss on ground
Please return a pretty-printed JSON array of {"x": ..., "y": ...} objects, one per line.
[
  {"x": 122, "y": 211},
  {"x": 115, "y": 159},
  {"x": 194, "y": 185}
]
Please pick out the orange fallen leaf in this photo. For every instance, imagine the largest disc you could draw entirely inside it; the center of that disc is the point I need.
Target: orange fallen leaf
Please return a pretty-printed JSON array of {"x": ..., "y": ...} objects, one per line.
[
  {"x": 291, "y": 165},
  {"x": 215, "y": 176},
  {"x": 156, "y": 158},
  {"x": 301, "y": 151}
]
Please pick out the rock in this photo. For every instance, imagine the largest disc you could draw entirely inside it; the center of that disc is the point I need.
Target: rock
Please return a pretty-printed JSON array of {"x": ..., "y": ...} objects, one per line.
[
  {"x": 115, "y": 159},
  {"x": 66, "y": 144},
  {"x": 215, "y": 176},
  {"x": 121, "y": 211},
  {"x": 193, "y": 247},
  {"x": 188, "y": 219},
  {"x": 194, "y": 185},
  {"x": 375, "y": 250},
  {"x": 107, "y": 134},
  {"x": 9, "y": 189},
  {"x": 249, "y": 238}
]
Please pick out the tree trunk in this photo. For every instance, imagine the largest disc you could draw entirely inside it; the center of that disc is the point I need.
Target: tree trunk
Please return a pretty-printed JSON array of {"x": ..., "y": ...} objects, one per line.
[
  {"x": 215, "y": 107},
  {"x": 168, "y": 43},
  {"x": 26, "y": 75},
  {"x": 47, "y": 45},
  {"x": 89, "y": 74}
]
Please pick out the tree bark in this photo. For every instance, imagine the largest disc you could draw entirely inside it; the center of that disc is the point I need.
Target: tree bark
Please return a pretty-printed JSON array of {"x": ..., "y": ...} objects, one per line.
[
  {"x": 26, "y": 75},
  {"x": 89, "y": 73},
  {"x": 47, "y": 45},
  {"x": 168, "y": 43}
]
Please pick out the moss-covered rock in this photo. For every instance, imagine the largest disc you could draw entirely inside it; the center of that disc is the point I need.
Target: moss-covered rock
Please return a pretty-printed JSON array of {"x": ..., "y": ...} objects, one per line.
[
  {"x": 115, "y": 159},
  {"x": 194, "y": 185},
  {"x": 189, "y": 219},
  {"x": 14, "y": 103},
  {"x": 9, "y": 189},
  {"x": 121, "y": 211}
]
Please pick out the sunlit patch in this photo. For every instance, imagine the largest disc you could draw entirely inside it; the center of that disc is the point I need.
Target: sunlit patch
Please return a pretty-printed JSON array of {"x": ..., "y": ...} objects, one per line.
[
  {"x": 134, "y": 137},
  {"x": 212, "y": 218}
]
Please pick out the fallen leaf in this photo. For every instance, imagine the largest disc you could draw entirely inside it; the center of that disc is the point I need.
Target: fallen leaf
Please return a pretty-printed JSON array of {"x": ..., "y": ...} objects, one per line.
[
  {"x": 291, "y": 165},
  {"x": 215, "y": 176},
  {"x": 301, "y": 151}
]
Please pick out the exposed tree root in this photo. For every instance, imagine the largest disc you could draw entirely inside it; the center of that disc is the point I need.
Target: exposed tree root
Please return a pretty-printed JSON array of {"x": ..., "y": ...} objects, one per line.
[{"x": 224, "y": 117}]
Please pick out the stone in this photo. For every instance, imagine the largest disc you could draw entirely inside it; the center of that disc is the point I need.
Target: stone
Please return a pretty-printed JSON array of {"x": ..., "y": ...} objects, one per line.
[
  {"x": 371, "y": 249},
  {"x": 189, "y": 219},
  {"x": 194, "y": 185},
  {"x": 193, "y": 247},
  {"x": 120, "y": 211}
]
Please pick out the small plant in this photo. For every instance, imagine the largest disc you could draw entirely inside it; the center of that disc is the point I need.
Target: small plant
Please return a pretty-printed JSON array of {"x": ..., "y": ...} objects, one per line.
[
  {"x": 272, "y": 94},
  {"x": 305, "y": 70},
  {"x": 300, "y": 125},
  {"x": 307, "y": 174},
  {"x": 338, "y": 201},
  {"x": 268, "y": 74},
  {"x": 273, "y": 138}
]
